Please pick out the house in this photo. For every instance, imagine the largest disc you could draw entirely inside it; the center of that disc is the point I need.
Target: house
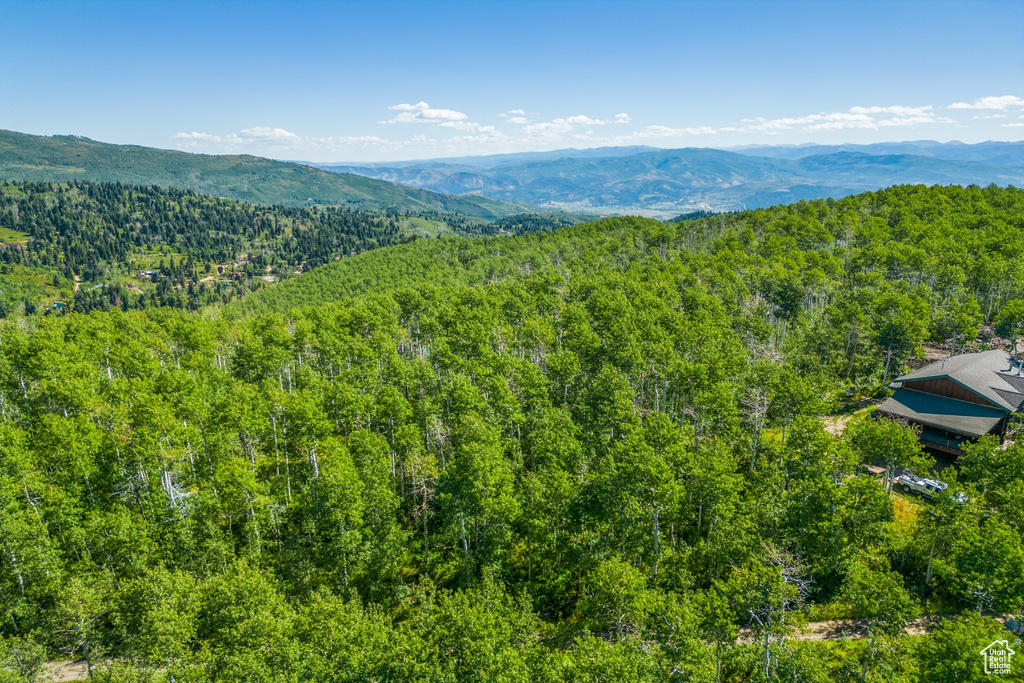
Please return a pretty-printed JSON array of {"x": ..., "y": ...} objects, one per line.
[{"x": 959, "y": 399}]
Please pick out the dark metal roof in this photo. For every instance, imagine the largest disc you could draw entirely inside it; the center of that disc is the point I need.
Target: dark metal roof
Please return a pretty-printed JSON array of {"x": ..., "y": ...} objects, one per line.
[
  {"x": 970, "y": 419},
  {"x": 986, "y": 374}
]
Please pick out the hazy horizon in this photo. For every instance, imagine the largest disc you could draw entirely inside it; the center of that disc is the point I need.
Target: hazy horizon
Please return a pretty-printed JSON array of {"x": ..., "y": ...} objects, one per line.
[{"x": 357, "y": 162}]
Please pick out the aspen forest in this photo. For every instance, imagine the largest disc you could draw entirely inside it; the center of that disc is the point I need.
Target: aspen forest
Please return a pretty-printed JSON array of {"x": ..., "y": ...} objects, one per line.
[{"x": 534, "y": 451}]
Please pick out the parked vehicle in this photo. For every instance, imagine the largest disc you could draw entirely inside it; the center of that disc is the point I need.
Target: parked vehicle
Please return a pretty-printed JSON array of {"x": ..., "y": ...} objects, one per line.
[{"x": 909, "y": 482}]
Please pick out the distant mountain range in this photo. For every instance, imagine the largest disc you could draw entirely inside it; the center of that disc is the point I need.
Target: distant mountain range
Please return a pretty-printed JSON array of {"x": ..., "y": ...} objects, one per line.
[
  {"x": 992, "y": 153},
  {"x": 638, "y": 179},
  {"x": 680, "y": 180},
  {"x": 246, "y": 178}
]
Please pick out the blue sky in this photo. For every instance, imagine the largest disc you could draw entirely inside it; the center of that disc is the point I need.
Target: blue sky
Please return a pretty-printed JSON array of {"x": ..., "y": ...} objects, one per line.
[{"x": 349, "y": 81}]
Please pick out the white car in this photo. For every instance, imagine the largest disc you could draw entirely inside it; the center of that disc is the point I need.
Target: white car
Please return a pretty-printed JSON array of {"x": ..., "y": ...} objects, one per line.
[{"x": 929, "y": 488}]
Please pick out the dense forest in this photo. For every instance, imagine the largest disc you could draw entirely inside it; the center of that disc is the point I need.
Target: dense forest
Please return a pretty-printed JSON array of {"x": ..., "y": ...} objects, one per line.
[
  {"x": 106, "y": 235},
  {"x": 96, "y": 246},
  {"x": 591, "y": 454}
]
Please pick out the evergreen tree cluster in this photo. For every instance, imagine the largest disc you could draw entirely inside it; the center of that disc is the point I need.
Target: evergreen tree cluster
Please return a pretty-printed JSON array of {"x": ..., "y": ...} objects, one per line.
[
  {"x": 93, "y": 231},
  {"x": 522, "y": 224}
]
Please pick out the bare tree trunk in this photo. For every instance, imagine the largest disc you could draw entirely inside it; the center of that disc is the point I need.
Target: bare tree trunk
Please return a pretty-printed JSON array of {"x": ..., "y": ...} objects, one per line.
[
  {"x": 931, "y": 555},
  {"x": 314, "y": 462},
  {"x": 767, "y": 653},
  {"x": 462, "y": 531},
  {"x": 867, "y": 660},
  {"x": 277, "y": 456},
  {"x": 657, "y": 545},
  {"x": 287, "y": 468}
]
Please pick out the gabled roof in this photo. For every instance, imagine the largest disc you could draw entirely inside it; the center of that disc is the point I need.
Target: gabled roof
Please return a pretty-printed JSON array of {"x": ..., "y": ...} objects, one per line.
[
  {"x": 986, "y": 374},
  {"x": 969, "y": 419}
]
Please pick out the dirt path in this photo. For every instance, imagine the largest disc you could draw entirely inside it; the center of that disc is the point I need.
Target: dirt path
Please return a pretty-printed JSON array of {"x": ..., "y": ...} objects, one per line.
[
  {"x": 66, "y": 671},
  {"x": 857, "y": 628},
  {"x": 78, "y": 282},
  {"x": 835, "y": 424},
  {"x": 854, "y": 628}
]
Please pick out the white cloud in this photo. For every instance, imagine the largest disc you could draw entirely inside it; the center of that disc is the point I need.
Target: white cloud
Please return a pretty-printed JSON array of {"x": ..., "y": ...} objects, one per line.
[
  {"x": 1002, "y": 102},
  {"x": 989, "y": 116},
  {"x": 469, "y": 127},
  {"x": 913, "y": 120},
  {"x": 902, "y": 111},
  {"x": 833, "y": 121},
  {"x": 460, "y": 125},
  {"x": 352, "y": 140},
  {"x": 269, "y": 134},
  {"x": 865, "y": 118},
  {"x": 485, "y": 136},
  {"x": 1012, "y": 125},
  {"x": 581, "y": 120},
  {"x": 257, "y": 134},
  {"x": 421, "y": 112},
  {"x": 265, "y": 139},
  {"x": 551, "y": 131},
  {"x": 554, "y": 130},
  {"x": 622, "y": 118},
  {"x": 518, "y": 119},
  {"x": 205, "y": 137},
  {"x": 520, "y": 112},
  {"x": 657, "y": 131}
]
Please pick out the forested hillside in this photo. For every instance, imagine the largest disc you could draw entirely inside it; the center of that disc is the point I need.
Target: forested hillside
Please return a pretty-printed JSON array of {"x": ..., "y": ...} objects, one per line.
[
  {"x": 592, "y": 454},
  {"x": 66, "y": 158},
  {"x": 95, "y": 246},
  {"x": 102, "y": 245},
  {"x": 940, "y": 260}
]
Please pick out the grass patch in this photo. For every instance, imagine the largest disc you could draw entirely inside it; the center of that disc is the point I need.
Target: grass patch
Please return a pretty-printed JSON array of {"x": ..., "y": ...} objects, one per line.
[
  {"x": 150, "y": 260},
  {"x": 32, "y": 277},
  {"x": 906, "y": 510},
  {"x": 424, "y": 227},
  {"x": 11, "y": 235},
  {"x": 832, "y": 611}
]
